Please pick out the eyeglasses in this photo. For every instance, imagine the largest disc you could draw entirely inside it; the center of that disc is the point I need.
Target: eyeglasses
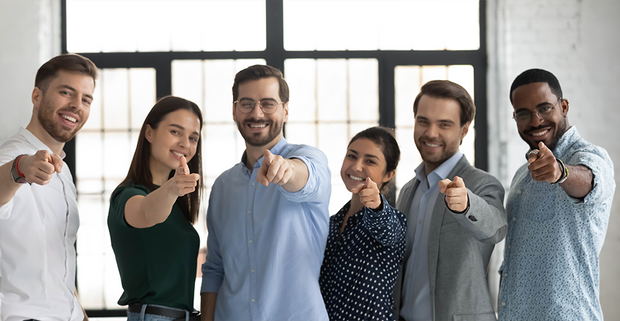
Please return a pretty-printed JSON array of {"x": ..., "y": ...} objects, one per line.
[
  {"x": 267, "y": 105},
  {"x": 544, "y": 112}
]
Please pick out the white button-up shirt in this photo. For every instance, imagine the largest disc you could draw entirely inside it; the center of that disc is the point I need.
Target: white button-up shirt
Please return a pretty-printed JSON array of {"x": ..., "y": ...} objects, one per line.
[{"x": 37, "y": 237}]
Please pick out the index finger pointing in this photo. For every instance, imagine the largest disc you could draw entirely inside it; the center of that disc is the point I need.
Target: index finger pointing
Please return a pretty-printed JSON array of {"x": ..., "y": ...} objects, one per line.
[
  {"x": 444, "y": 184},
  {"x": 57, "y": 162},
  {"x": 458, "y": 182}
]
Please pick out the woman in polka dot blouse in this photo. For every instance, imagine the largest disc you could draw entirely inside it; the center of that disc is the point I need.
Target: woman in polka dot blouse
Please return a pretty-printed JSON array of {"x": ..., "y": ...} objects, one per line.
[{"x": 366, "y": 241}]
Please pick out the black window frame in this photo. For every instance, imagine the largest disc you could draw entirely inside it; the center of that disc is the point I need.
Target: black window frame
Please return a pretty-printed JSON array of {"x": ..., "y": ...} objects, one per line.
[{"x": 275, "y": 55}]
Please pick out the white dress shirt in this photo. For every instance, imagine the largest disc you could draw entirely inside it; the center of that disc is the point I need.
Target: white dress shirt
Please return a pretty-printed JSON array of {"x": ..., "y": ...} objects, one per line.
[{"x": 37, "y": 237}]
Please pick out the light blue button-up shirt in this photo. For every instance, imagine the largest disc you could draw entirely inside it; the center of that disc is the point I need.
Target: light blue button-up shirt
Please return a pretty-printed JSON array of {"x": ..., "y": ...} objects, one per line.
[
  {"x": 265, "y": 245},
  {"x": 416, "y": 287},
  {"x": 551, "y": 267}
]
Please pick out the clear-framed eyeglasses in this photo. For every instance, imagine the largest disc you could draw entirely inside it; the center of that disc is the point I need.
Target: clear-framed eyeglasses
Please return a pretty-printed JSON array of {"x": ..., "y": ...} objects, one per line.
[
  {"x": 267, "y": 105},
  {"x": 543, "y": 112}
]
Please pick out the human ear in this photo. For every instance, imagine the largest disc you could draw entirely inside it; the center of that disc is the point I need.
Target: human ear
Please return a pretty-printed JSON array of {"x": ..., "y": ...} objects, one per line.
[{"x": 148, "y": 134}]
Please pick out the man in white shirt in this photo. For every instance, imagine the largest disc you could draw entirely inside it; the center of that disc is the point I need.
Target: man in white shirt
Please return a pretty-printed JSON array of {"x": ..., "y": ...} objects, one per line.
[{"x": 38, "y": 204}]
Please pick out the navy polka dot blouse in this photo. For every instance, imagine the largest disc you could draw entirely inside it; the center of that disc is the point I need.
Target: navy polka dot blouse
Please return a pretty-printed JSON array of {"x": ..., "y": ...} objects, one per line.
[{"x": 361, "y": 265}]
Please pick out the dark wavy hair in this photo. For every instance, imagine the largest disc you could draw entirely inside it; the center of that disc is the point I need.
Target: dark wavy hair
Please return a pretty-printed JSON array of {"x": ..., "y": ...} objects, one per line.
[
  {"x": 140, "y": 169},
  {"x": 449, "y": 90},
  {"x": 69, "y": 62},
  {"x": 257, "y": 72},
  {"x": 384, "y": 138}
]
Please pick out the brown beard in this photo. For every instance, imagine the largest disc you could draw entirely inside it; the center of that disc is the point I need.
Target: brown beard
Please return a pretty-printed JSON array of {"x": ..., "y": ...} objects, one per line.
[{"x": 55, "y": 129}]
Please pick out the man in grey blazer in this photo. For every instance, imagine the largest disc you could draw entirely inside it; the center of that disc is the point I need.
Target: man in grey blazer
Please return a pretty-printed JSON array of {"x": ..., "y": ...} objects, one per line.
[{"x": 455, "y": 216}]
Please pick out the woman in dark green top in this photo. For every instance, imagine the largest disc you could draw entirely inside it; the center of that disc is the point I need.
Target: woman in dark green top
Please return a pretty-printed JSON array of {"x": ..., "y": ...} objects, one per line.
[{"x": 152, "y": 212}]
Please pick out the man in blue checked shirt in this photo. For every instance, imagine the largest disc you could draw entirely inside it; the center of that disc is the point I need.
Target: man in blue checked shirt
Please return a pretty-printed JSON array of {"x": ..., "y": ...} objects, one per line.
[
  {"x": 268, "y": 215},
  {"x": 558, "y": 209}
]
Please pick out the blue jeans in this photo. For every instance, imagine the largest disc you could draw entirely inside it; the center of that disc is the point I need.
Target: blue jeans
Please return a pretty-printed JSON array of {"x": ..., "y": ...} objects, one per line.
[{"x": 135, "y": 316}]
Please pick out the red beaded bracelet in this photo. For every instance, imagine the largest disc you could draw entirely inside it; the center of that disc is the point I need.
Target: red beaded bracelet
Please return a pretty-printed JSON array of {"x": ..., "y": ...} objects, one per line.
[{"x": 17, "y": 168}]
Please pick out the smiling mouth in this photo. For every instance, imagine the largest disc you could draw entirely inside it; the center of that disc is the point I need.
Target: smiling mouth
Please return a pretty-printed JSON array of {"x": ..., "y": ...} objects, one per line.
[
  {"x": 69, "y": 118},
  {"x": 258, "y": 125},
  {"x": 355, "y": 178},
  {"x": 178, "y": 154},
  {"x": 538, "y": 134},
  {"x": 431, "y": 145}
]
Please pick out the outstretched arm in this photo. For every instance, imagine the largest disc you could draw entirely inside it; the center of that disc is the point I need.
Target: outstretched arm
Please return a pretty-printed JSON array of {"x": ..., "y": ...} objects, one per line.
[
  {"x": 146, "y": 211},
  {"x": 291, "y": 173},
  {"x": 37, "y": 169}
]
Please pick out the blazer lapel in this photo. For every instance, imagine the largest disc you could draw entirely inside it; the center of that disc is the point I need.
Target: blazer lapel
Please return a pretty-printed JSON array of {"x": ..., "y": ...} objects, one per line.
[{"x": 439, "y": 211}]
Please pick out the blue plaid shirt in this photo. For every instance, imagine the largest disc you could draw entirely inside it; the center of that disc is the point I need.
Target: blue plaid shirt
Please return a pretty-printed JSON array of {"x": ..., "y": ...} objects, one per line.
[{"x": 551, "y": 265}]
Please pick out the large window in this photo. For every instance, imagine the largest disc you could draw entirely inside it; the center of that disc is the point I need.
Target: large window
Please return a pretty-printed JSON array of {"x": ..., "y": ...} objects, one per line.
[{"x": 349, "y": 64}]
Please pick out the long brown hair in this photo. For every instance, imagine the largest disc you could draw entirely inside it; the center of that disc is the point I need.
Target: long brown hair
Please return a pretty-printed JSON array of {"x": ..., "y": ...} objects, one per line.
[{"x": 140, "y": 169}]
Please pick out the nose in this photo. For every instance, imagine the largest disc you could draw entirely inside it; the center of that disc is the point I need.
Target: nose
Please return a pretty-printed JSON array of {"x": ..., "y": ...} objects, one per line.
[
  {"x": 536, "y": 119},
  {"x": 358, "y": 166},
  {"x": 257, "y": 110},
  {"x": 432, "y": 131}
]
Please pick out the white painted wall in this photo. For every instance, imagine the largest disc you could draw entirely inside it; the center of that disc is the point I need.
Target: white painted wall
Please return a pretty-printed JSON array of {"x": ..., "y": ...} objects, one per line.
[
  {"x": 29, "y": 36},
  {"x": 577, "y": 40}
]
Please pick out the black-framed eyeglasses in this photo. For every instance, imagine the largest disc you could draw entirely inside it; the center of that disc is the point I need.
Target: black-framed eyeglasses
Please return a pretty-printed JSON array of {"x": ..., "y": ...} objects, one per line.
[
  {"x": 543, "y": 112},
  {"x": 267, "y": 105}
]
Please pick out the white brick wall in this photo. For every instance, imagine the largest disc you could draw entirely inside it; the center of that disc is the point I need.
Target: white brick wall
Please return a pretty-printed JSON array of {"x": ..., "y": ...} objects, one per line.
[{"x": 577, "y": 40}]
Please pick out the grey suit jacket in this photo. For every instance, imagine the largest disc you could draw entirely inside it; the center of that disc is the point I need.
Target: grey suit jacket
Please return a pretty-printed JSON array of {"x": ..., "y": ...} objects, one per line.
[{"x": 459, "y": 247}]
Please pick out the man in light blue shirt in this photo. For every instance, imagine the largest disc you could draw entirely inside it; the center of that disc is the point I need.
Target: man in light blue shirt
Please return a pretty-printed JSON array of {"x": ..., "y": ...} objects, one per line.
[
  {"x": 268, "y": 215},
  {"x": 455, "y": 215},
  {"x": 558, "y": 209}
]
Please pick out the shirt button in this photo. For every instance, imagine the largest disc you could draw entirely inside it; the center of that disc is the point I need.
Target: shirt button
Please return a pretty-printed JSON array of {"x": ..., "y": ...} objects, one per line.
[
  {"x": 252, "y": 270},
  {"x": 252, "y": 183},
  {"x": 508, "y": 246},
  {"x": 514, "y": 218},
  {"x": 249, "y": 212},
  {"x": 503, "y": 303},
  {"x": 505, "y": 274},
  {"x": 253, "y": 300},
  {"x": 250, "y": 242}
]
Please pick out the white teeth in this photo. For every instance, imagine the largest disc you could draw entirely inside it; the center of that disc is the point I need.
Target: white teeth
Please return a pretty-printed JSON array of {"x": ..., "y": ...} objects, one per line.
[
  {"x": 69, "y": 118},
  {"x": 356, "y": 178},
  {"x": 178, "y": 154},
  {"x": 259, "y": 126},
  {"x": 431, "y": 145},
  {"x": 539, "y": 133}
]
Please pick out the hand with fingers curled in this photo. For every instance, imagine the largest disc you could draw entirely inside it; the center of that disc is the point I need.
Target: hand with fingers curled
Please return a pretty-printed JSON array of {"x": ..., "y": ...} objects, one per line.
[
  {"x": 368, "y": 193},
  {"x": 455, "y": 194},
  {"x": 40, "y": 167},
  {"x": 275, "y": 169},
  {"x": 183, "y": 182},
  {"x": 543, "y": 165}
]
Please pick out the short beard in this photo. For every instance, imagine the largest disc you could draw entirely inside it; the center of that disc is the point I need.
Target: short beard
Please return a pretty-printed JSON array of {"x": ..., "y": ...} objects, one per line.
[
  {"x": 274, "y": 130},
  {"x": 55, "y": 130}
]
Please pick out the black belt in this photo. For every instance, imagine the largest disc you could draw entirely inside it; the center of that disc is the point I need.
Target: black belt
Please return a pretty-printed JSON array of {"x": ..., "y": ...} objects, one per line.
[{"x": 167, "y": 312}]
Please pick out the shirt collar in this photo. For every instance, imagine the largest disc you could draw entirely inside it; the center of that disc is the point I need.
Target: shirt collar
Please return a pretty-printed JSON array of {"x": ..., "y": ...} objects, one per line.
[
  {"x": 440, "y": 172},
  {"x": 37, "y": 143},
  {"x": 276, "y": 150},
  {"x": 566, "y": 141}
]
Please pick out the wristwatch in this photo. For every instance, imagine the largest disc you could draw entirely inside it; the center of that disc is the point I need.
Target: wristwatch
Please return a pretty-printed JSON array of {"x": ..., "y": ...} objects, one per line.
[{"x": 15, "y": 174}]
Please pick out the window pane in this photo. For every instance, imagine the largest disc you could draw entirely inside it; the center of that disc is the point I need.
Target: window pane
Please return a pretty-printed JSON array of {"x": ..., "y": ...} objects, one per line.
[
  {"x": 381, "y": 24},
  {"x": 407, "y": 83},
  {"x": 128, "y": 26},
  {"x": 331, "y": 100},
  {"x": 104, "y": 149}
]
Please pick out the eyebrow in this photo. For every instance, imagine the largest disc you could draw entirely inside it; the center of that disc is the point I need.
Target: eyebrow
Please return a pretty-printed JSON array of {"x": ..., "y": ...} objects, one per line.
[
  {"x": 182, "y": 128},
  {"x": 365, "y": 155},
  {"x": 73, "y": 90},
  {"x": 439, "y": 121}
]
